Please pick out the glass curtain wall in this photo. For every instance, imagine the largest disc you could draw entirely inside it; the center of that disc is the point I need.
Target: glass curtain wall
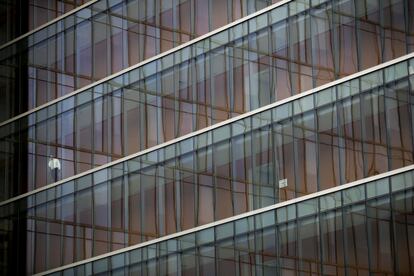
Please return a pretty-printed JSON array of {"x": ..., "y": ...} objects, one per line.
[
  {"x": 252, "y": 64},
  {"x": 344, "y": 133},
  {"x": 18, "y": 17},
  {"x": 364, "y": 229},
  {"x": 111, "y": 35},
  {"x": 102, "y": 39}
]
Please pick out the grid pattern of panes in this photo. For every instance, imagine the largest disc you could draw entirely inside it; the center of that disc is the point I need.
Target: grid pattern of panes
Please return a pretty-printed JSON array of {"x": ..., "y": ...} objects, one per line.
[
  {"x": 364, "y": 229},
  {"x": 356, "y": 129},
  {"x": 242, "y": 68},
  {"x": 103, "y": 39},
  {"x": 20, "y": 16}
]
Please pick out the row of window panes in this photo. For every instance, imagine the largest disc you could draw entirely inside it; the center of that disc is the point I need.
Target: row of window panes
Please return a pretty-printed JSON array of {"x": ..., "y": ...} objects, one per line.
[
  {"x": 22, "y": 16},
  {"x": 360, "y": 230},
  {"x": 218, "y": 174},
  {"x": 102, "y": 39},
  {"x": 186, "y": 91}
]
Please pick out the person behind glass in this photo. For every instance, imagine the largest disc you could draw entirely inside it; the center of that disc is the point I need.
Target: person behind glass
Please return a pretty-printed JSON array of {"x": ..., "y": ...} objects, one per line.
[{"x": 54, "y": 166}]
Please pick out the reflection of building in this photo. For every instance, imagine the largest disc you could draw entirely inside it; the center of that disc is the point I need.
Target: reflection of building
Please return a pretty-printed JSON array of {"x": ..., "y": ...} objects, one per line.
[{"x": 295, "y": 99}]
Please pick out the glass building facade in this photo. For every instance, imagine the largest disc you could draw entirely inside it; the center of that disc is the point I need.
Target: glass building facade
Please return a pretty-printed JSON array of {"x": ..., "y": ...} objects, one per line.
[
  {"x": 171, "y": 137},
  {"x": 101, "y": 39},
  {"x": 322, "y": 139},
  {"x": 286, "y": 50},
  {"x": 358, "y": 229},
  {"x": 319, "y": 42},
  {"x": 19, "y": 17}
]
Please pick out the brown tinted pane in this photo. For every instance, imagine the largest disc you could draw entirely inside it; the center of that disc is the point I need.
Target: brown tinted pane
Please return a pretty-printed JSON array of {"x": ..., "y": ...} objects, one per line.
[
  {"x": 410, "y": 29},
  {"x": 219, "y": 13},
  {"x": 300, "y": 53},
  {"x": 167, "y": 35},
  {"x": 201, "y": 17},
  {"x": 305, "y": 153},
  {"x": 287, "y": 248},
  {"x": 308, "y": 245},
  {"x": 332, "y": 243},
  {"x": 281, "y": 55},
  {"x": 205, "y": 190},
  {"x": 394, "y": 29},
  {"x": 171, "y": 200},
  {"x": 400, "y": 131},
  {"x": 188, "y": 192},
  {"x": 328, "y": 150},
  {"x": 356, "y": 247},
  {"x": 241, "y": 160},
  {"x": 352, "y": 165},
  {"x": 322, "y": 46},
  {"x": 134, "y": 215},
  {"x": 130, "y": 122},
  {"x": 375, "y": 151},
  {"x": 379, "y": 233},
  {"x": 370, "y": 44},
  {"x": 285, "y": 158},
  {"x": 149, "y": 205}
]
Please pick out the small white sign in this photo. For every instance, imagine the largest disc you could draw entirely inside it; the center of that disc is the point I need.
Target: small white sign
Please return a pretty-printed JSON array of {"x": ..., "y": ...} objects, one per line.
[{"x": 283, "y": 183}]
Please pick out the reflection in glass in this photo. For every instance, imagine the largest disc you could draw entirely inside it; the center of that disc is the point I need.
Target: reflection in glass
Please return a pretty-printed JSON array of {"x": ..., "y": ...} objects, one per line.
[
  {"x": 352, "y": 233},
  {"x": 277, "y": 54}
]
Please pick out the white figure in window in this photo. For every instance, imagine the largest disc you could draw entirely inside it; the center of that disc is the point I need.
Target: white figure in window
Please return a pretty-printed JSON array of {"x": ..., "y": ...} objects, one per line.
[{"x": 54, "y": 165}]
